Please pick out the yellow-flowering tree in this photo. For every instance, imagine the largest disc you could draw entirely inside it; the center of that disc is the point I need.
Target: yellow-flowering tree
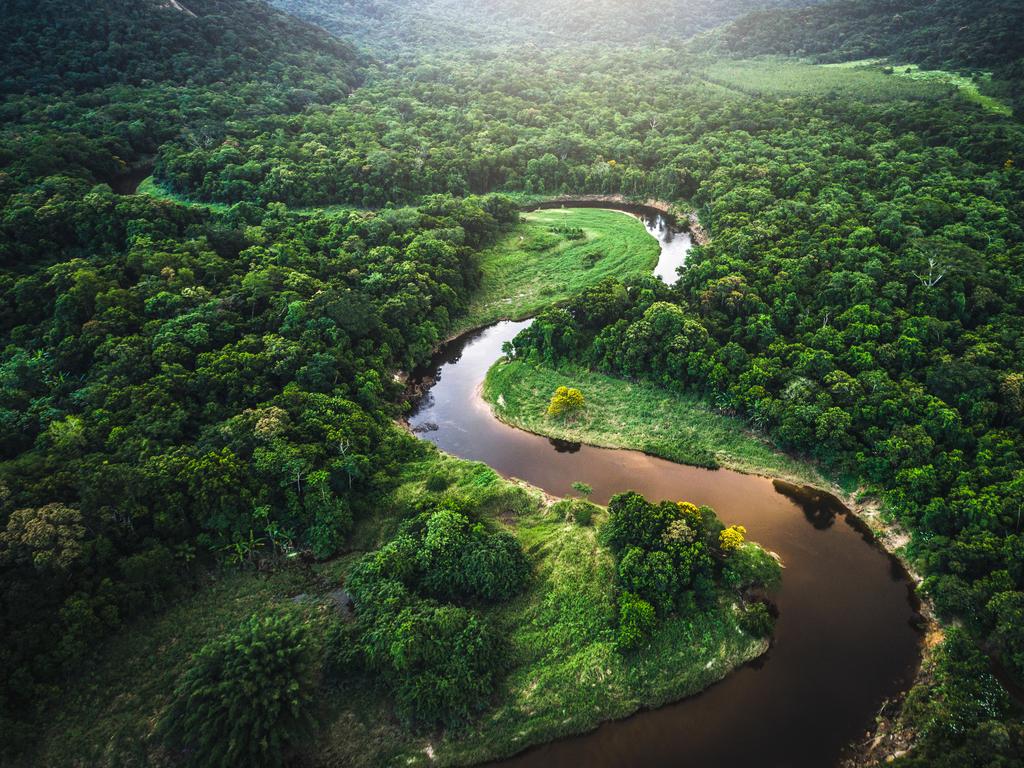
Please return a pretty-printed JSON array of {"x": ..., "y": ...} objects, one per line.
[
  {"x": 565, "y": 400},
  {"x": 732, "y": 537}
]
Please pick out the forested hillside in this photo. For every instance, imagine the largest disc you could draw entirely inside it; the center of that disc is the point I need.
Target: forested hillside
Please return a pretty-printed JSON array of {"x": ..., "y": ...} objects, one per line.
[
  {"x": 394, "y": 26},
  {"x": 198, "y": 386}
]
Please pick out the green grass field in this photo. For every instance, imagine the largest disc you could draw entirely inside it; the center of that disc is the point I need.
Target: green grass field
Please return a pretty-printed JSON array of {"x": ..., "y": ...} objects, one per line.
[
  {"x": 967, "y": 86},
  {"x": 532, "y": 267},
  {"x": 565, "y": 675},
  {"x": 644, "y": 417},
  {"x": 149, "y": 186},
  {"x": 774, "y": 76}
]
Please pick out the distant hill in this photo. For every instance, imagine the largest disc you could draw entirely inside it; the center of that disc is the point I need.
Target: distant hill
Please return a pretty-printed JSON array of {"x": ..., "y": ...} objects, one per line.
[
  {"x": 55, "y": 45},
  {"x": 396, "y": 25}
]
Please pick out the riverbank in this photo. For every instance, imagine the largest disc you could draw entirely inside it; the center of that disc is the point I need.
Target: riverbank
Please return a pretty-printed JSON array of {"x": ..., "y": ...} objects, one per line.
[
  {"x": 681, "y": 428},
  {"x": 636, "y": 416}
]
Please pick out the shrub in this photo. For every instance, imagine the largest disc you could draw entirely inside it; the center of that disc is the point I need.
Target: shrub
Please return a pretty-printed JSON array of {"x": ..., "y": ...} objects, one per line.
[
  {"x": 583, "y": 512},
  {"x": 636, "y": 621},
  {"x": 732, "y": 538},
  {"x": 748, "y": 565},
  {"x": 247, "y": 696},
  {"x": 650, "y": 575},
  {"x": 566, "y": 400},
  {"x": 757, "y": 620},
  {"x": 443, "y": 662},
  {"x": 437, "y": 482},
  {"x": 459, "y": 560},
  {"x": 574, "y": 510}
]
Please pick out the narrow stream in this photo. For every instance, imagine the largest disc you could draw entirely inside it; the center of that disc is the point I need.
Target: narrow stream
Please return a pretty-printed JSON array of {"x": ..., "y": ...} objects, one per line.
[{"x": 845, "y": 639}]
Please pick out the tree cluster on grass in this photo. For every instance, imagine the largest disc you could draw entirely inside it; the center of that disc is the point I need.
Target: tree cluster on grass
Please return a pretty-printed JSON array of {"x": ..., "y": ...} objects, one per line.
[
  {"x": 420, "y": 627},
  {"x": 670, "y": 559}
]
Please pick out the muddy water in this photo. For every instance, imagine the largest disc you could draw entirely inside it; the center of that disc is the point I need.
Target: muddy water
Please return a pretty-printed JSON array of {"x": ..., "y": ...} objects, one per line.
[{"x": 845, "y": 638}]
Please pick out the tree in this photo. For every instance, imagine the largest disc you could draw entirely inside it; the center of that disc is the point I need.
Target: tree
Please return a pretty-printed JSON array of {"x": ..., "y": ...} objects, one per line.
[
  {"x": 443, "y": 661},
  {"x": 247, "y": 697},
  {"x": 565, "y": 401},
  {"x": 732, "y": 538},
  {"x": 50, "y": 538},
  {"x": 636, "y": 621}
]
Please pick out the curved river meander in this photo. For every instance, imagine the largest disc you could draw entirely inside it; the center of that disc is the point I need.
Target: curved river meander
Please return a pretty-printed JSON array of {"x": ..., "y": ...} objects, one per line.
[{"x": 845, "y": 639}]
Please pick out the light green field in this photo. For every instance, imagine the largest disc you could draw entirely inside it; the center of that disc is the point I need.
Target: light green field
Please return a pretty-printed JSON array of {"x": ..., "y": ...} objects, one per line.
[
  {"x": 149, "y": 186},
  {"x": 643, "y": 417},
  {"x": 774, "y": 76},
  {"x": 533, "y": 267},
  {"x": 565, "y": 675},
  {"x": 967, "y": 86}
]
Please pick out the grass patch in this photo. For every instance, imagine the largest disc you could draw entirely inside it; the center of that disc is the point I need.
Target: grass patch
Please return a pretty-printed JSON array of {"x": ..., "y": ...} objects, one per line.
[
  {"x": 774, "y": 76},
  {"x": 541, "y": 261},
  {"x": 149, "y": 186},
  {"x": 967, "y": 86},
  {"x": 565, "y": 674},
  {"x": 643, "y": 417}
]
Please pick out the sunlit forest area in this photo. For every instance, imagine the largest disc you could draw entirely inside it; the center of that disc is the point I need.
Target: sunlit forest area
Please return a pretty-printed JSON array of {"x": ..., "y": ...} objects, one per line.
[{"x": 244, "y": 243}]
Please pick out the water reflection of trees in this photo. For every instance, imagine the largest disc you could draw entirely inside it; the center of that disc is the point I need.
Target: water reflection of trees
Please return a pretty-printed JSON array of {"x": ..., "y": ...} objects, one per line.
[
  {"x": 819, "y": 508},
  {"x": 565, "y": 446}
]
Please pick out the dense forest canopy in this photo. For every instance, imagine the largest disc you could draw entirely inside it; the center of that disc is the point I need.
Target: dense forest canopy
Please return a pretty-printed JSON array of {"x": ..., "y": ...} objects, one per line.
[
  {"x": 391, "y": 27},
  {"x": 207, "y": 375}
]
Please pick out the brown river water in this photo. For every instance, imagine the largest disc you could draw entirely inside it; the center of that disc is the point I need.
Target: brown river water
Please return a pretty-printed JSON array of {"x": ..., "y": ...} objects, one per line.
[{"x": 846, "y": 637}]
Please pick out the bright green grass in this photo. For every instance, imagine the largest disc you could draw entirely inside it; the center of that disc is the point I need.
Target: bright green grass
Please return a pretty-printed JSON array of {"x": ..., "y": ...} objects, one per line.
[
  {"x": 565, "y": 676},
  {"x": 533, "y": 267},
  {"x": 149, "y": 186},
  {"x": 967, "y": 86},
  {"x": 773, "y": 76},
  {"x": 644, "y": 417}
]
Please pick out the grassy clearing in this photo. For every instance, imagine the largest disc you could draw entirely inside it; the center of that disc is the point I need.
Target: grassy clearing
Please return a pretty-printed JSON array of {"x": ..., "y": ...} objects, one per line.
[
  {"x": 149, "y": 186},
  {"x": 968, "y": 86},
  {"x": 565, "y": 675},
  {"x": 620, "y": 414},
  {"x": 773, "y": 76},
  {"x": 533, "y": 266}
]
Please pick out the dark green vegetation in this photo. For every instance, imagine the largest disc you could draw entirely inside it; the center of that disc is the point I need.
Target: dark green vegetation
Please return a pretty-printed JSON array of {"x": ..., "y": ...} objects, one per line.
[
  {"x": 670, "y": 557},
  {"x": 190, "y": 389},
  {"x": 455, "y": 627},
  {"x": 391, "y": 27},
  {"x": 247, "y": 697}
]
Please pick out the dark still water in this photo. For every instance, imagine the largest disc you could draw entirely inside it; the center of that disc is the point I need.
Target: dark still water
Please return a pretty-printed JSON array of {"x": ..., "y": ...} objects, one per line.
[{"x": 844, "y": 641}]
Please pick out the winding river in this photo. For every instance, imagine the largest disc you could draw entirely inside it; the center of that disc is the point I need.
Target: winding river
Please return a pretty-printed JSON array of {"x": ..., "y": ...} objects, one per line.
[{"x": 845, "y": 640}]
